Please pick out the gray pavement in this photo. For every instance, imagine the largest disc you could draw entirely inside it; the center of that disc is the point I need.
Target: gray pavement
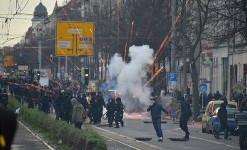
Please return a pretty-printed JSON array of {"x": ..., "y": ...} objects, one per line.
[{"x": 26, "y": 140}]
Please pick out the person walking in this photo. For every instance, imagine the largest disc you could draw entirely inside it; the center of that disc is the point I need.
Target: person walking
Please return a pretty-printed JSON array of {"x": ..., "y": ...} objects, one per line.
[
  {"x": 222, "y": 115},
  {"x": 78, "y": 114},
  {"x": 156, "y": 109},
  {"x": 241, "y": 122},
  {"x": 184, "y": 117}
]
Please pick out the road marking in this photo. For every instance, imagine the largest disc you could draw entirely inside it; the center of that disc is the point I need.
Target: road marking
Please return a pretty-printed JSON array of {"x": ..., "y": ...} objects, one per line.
[
  {"x": 134, "y": 140},
  {"x": 172, "y": 129},
  {"x": 205, "y": 140},
  {"x": 37, "y": 136},
  {"x": 121, "y": 142}
]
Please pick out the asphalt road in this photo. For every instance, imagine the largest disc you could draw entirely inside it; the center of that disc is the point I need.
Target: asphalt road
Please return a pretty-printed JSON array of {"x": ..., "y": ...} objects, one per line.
[
  {"x": 123, "y": 138},
  {"x": 137, "y": 128}
]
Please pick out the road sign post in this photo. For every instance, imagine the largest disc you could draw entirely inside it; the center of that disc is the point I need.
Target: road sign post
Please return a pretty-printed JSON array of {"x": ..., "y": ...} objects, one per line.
[
  {"x": 203, "y": 88},
  {"x": 172, "y": 80}
]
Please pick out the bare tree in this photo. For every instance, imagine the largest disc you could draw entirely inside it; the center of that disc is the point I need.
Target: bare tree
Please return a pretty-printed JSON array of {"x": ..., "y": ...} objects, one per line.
[
  {"x": 229, "y": 19},
  {"x": 194, "y": 18}
]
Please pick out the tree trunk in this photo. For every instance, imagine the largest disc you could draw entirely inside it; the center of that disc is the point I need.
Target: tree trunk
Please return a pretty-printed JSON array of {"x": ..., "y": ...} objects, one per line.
[
  {"x": 194, "y": 75},
  {"x": 184, "y": 87}
]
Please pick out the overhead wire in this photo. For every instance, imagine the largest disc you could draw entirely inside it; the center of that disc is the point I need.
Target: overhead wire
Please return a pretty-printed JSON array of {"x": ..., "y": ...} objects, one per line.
[{"x": 8, "y": 19}]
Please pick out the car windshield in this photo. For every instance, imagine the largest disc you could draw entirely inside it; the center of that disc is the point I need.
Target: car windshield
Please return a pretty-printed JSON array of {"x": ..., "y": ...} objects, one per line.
[
  {"x": 216, "y": 106},
  {"x": 230, "y": 111}
]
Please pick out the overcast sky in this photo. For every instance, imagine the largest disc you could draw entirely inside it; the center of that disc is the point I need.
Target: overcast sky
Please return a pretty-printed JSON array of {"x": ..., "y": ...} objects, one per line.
[{"x": 18, "y": 26}]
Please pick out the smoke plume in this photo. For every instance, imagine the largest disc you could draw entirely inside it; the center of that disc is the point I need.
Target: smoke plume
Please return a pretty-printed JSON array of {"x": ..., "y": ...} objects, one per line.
[{"x": 131, "y": 77}]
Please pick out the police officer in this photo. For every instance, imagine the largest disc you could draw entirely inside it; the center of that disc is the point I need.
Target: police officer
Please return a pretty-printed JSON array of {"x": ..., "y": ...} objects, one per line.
[
  {"x": 94, "y": 108},
  {"x": 45, "y": 102},
  {"x": 241, "y": 122},
  {"x": 101, "y": 104},
  {"x": 110, "y": 111},
  {"x": 119, "y": 112},
  {"x": 58, "y": 104},
  {"x": 83, "y": 100},
  {"x": 66, "y": 107}
]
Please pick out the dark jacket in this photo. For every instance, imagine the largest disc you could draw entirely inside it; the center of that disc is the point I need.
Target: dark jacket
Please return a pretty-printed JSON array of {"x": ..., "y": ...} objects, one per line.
[
  {"x": 110, "y": 107},
  {"x": 222, "y": 114},
  {"x": 185, "y": 108},
  {"x": 156, "y": 110},
  {"x": 119, "y": 108}
]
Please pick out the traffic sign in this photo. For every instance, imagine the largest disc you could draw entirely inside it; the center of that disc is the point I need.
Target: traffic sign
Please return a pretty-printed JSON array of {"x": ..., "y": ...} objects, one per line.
[
  {"x": 172, "y": 83},
  {"x": 180, "y": 68},
  {"x": 8, "y": 60},
  {"x": 75, "y": 38},
  {"x": 173, "y": 76},
  {"x": 238, "y": 87},
  {"x": 203, "y": 88}
]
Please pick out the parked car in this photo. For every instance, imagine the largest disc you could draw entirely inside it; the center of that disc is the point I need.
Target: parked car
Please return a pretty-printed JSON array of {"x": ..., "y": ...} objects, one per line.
[
  {"x": 210, "y": 109},
  {"x": 213, "y": 123}
]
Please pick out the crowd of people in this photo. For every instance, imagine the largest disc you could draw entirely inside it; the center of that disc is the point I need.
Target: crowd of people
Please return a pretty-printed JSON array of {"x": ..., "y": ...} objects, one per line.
[{"x": 62, "y": 96}]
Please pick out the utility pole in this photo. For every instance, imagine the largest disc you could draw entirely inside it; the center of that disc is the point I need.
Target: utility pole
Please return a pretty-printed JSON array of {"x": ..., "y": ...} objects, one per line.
[
  {"x": 66, "y": 66},
  {"x": 39, "y": 53},
  {"x": 58, "y": 68},
  {"x": 173, "y": 49},
  {"x": 184, "y": 67}
]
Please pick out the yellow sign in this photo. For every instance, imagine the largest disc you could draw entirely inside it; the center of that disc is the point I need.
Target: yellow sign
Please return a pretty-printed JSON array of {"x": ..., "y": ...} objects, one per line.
[
  {"x": 75, "y": 38},
  {"x": 238, "y": 87},
  {"x": 8, "y": 61}
]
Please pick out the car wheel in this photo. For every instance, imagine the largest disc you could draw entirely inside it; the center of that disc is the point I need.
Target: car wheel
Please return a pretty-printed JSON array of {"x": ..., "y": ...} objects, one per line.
[
  {"x": 236, "y": 133},
  {"x": 207, "y": 129}
]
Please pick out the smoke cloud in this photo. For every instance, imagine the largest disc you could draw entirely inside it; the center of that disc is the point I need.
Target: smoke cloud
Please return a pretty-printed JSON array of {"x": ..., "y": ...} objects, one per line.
[{"x": 131, "y": 77}]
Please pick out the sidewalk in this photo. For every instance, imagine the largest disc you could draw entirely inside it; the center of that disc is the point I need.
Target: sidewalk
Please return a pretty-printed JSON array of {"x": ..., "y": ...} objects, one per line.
[{"x": 25, "y": 140}]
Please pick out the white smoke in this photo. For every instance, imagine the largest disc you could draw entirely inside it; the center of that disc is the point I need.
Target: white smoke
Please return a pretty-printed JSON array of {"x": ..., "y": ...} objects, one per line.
[
  {"x": 132, "y": 76},
  {"x": 116, "y": 65}
]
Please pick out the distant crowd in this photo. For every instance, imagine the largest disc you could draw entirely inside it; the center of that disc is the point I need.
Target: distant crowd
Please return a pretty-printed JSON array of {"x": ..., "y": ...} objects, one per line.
[
  {"x": 63, "y": 96},
  {"x": 206, "y": 98}
]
